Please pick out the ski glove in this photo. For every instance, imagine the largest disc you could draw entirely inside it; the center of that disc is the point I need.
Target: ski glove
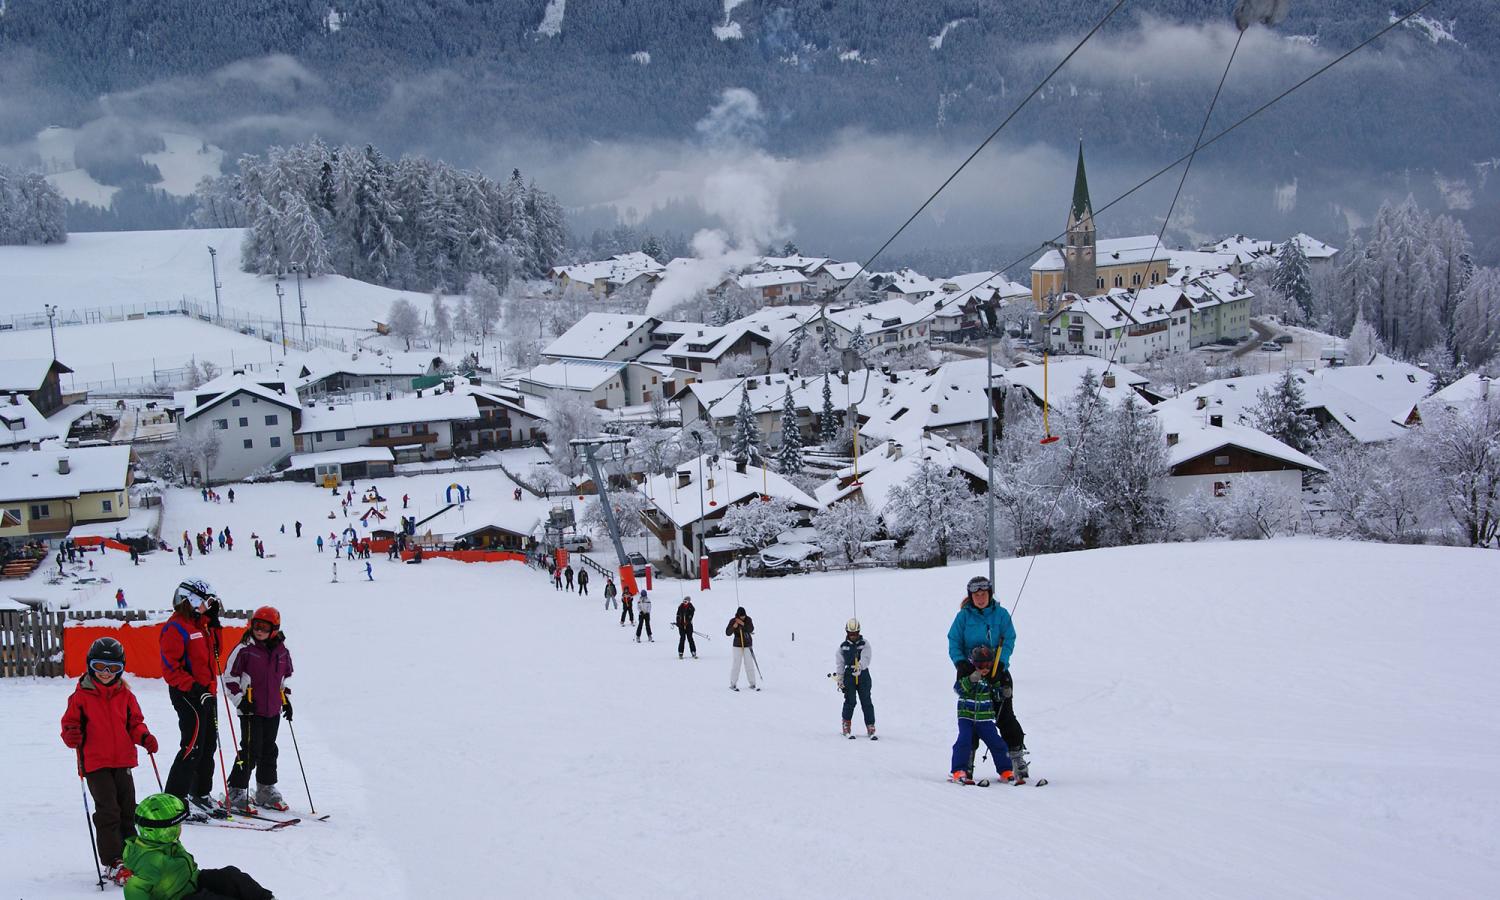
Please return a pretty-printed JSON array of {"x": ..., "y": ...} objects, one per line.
[
  {"x": 148, "y": 740},
  {"x": 246, "y": 707},
  {"x": 286, "y": 709},
  {"x": 1007, "y": 686},
  {"x": 965, "y": 668}
]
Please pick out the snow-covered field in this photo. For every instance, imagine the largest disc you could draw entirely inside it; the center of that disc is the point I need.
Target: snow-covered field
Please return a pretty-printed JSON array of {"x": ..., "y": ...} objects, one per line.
[
  {"x": 1289, "y": 718},
  {"x": 133, "y": 267},
  {"x": 135, "y": 350}
]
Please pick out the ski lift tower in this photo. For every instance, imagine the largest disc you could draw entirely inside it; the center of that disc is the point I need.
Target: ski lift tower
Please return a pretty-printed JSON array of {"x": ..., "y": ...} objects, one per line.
[{"x": 591, "y": 448}]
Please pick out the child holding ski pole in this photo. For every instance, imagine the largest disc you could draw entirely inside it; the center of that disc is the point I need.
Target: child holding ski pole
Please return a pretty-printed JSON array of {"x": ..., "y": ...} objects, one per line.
[
  {"x": 976, "y": 715},
  {"x": 103, "y": 723},
  {"x": 256, "y": 678},
  {"x": 160, "y": 868}
]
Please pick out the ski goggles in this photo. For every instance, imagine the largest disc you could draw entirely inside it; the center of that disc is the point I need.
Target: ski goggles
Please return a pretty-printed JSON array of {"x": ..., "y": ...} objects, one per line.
[
  {"x": 106, "y": 666},
  {"x": 258, "y": 624}
]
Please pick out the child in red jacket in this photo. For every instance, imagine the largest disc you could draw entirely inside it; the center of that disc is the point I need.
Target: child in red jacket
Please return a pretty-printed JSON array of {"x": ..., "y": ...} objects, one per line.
[{"x": 103, "y": 723}]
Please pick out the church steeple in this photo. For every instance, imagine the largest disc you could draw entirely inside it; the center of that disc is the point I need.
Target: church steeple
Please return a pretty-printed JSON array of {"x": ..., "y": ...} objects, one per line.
[
  {"x": 1080, "y": 273},
  {"x": 1082, "y": 208}
]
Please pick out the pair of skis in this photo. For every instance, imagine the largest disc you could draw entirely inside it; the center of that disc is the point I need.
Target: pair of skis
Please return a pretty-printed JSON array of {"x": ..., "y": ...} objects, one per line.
[{"x": 985, "y": 782}]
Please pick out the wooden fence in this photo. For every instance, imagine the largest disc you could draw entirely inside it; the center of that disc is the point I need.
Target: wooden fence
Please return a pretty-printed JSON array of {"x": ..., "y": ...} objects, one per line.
[{"x": 31, "y": 640}]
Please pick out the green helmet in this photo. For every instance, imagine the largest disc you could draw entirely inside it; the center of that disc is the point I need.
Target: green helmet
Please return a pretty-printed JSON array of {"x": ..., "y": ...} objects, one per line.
[{"x": 158, "y": 818}]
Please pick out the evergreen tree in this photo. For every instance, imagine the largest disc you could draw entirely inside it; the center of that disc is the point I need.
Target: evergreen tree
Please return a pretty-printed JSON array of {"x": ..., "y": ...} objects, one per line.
[
  {"x": 858, "y": 343},
  {"x": 652, "y": 248},
  {"x": 745, "y": 447},
  {"x": 306, "y": 246},
  {"x": 790, "y": 249},
  {"x": 1292, "y": 280},
  {"x": 789, "y": 458},
  {"x": 936, "y": 513},
  {"x": 1476, "y": 319},
  {"x": 1363, "y": 342},
  {"x": 828, "y": 420},
  {"x": 463, "y": 322},
  {"x": 1279, "y": 412}
]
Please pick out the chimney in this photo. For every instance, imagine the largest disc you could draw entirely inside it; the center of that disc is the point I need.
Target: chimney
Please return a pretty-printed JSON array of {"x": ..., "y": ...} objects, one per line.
[
  {"x": 1484, "y": 387},
  {"x": 751, "y": 383},
  {"x": 843, "y": 377},
  {"x": 1202, "y": 402},
  {"x": 63, "y": 466},
  {"x": 1109, "y": 379},
  {"x": 15, "y": 399},
  {"x": 739, "y": 466},
  {"x": 629, "y": 323},
  {"x": 1216, "y": 421},
  {"x": 934, "y": 407},
  {"x": 1172, "y": 438},
  {"x": 895, "y": 451},
  {"x": 684, "y": 477}
]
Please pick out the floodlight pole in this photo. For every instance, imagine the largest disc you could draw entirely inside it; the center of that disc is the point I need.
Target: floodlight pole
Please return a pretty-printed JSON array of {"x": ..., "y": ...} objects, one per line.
[
  {"x": 52, "y": 327},
  {"x": 213, "y": 260},
  {"x": 281, "y": 309},
  {"x": 988, "y": 317},
  {"x": 301, "y": 304}
]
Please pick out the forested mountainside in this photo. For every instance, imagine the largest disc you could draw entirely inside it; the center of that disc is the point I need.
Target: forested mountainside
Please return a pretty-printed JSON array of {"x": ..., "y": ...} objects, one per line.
[{"x": 400, "y": 70}]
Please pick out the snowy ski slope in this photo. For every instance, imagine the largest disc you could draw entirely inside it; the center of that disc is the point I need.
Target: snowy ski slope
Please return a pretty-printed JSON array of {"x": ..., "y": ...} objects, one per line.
[{"x": 1299, "y": 718}]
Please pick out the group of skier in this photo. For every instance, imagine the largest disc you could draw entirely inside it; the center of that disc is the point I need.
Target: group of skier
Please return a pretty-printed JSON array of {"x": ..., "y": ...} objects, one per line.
[{"x": 139, "y": 845}]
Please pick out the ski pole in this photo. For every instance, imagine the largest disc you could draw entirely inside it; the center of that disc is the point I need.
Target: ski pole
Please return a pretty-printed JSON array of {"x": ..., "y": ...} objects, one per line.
[
  {"x": 293, "y": 730},
  {"x": 156, "y": 770},
  {"x": 89, "y": 818},
  {"x": 758, "y": 673}
]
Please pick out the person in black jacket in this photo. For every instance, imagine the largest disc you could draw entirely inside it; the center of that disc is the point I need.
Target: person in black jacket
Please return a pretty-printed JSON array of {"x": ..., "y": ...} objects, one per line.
[
  {"x": 583, "y": 582},
  {"x": 684, "y": 623},
  {"x": 742, "y": 629},
  {"x": 627, "y": 606}
]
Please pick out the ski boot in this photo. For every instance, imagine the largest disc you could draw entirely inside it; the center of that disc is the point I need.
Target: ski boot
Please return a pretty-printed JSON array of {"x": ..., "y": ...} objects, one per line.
[
  {"x": 846, "y": 730},
  {"x": 679, "y": 656},
  {"x": 1019, "y": 765},
  {"x": 637, "y": 639},
  {"x": 201, "y": 808},
  {"x": 266, "y": 795},
  {"x": 238, "y": 801},
  {"x": 870, "y": 730},
  {"x": 959, "y": 776},
  {"x": 695, "y": 656}
]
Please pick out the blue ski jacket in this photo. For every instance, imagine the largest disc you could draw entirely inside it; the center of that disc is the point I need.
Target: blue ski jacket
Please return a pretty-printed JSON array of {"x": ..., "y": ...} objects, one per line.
[{"x": 972, "y": 627}]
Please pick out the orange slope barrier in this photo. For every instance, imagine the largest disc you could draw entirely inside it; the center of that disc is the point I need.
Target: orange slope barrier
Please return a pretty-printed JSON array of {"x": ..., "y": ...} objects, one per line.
[{"x": 140, "y": 639}]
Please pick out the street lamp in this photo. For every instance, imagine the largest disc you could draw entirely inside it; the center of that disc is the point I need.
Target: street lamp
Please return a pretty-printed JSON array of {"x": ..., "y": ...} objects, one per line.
[
  {"x": 52, "y": 327},
  {"x": 213, "y": 260}
]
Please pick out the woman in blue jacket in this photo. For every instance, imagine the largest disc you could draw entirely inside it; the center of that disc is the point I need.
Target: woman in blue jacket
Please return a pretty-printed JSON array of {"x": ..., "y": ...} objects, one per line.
[{"x": 980, "y": 620}]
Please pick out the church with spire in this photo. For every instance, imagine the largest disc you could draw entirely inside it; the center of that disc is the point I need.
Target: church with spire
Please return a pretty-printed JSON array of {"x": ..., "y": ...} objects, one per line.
[{"x": 1084, "y": 265}]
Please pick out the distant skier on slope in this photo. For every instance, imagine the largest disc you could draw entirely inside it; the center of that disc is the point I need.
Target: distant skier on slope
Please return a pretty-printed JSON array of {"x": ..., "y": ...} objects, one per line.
[
  {"x": 583, "y": 582},
  {"x": 853, "y": 665},
  {"x": 981, "y": 621},
  {"x": 684, "y": 624},
  {"x": 610, "y": 592},
  {"x": 742, "y": 629},
  {"x": 643, "y": 619}
]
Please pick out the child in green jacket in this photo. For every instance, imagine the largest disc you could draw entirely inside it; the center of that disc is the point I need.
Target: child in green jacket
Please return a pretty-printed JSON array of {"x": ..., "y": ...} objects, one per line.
[{"x": 161, "y": 868}]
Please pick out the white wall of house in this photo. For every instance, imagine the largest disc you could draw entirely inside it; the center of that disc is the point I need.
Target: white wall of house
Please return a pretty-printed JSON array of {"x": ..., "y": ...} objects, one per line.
[
  {"x": 252, "y": 433},
  {"x": 316, "y": 442},
  {"x": 1222, "y": 484}
]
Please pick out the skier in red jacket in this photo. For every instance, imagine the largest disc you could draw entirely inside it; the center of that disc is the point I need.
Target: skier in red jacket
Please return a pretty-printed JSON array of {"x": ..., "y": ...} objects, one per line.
[
  {"x": 104, "y": 724},
  {"x": 189, "y": 663}
]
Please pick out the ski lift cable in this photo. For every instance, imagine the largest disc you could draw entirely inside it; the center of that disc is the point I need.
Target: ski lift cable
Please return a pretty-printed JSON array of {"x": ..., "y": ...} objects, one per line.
[{"x": 1135, "y": 293}]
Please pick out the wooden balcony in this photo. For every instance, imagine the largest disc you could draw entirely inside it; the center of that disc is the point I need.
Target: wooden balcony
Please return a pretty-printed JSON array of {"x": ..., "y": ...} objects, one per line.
[{"x": 401, "y": 440}]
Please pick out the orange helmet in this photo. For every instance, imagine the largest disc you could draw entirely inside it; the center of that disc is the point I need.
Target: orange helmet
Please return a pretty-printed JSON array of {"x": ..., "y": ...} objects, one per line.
[{"x": 267, "y": 614}]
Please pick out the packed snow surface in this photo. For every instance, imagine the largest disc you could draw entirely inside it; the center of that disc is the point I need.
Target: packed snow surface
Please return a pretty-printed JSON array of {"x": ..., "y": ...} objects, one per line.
[
  {"x": 1288, "y": 718},
  {"x": 552, "y": 18}
]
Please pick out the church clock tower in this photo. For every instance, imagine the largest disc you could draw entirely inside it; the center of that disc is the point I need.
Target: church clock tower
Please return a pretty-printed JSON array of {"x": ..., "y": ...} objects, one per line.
[{"x": 1080, "y": 273}]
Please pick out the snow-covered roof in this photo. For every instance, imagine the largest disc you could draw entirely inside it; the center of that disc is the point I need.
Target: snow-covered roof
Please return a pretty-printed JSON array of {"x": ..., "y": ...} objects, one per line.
[
  {"x": 951, "y": 394},
  {"x": 804, "y": 264},
  {"x": 597, "y": 335},
  {"x": 1195, "y": 437},
  {"x": 909, "y": 283},
  {"x": 1472, "y": 388},
  {"x": 1111, "y": 252},
  {"x": 26, "y": 374},
  {"x": 1204, "y": 289},
  {"x": 459, "y": 520},
  {"x": 1371, "y": 403},
  {"x": 1199, "y": 260},
  {"x": 346, "y": 456},
  {"x": 1120, "y": 307},
  {"x": 840, "y": 271},
  {"x": 1063, "y": 374},
  {"x": 1312, "y": 248},
  {"x": 622, "y": 268},
  {"x": 1242, "y": 249},
  {"x": 321, "y": 362},
  {"x": 892, "y": 462},
  {"x": 211, "y": 393},
  {"x": 876, "y": 317},
  {"x": 22, "y": 423},
  {"x": 720, "y": 398},
  {"x": 772, "y": 278},
  {"x": 677, "y": 497},
  {"x": 574, "y": 374},
  {"x": 771, "y": 324},
  {"x": 34, "y": 475},
  {"x": 434, "y": 407}
]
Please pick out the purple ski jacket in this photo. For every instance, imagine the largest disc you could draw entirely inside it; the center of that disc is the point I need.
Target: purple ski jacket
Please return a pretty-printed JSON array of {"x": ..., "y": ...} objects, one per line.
[{"x": 260, "y": 668}]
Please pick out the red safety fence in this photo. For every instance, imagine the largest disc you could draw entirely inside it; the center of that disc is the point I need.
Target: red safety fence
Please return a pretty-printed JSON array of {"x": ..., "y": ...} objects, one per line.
[
  {"x": 468, "y": 555},
  {"x": 142, "y": 644},
  {"x": 94, "y": 540}
]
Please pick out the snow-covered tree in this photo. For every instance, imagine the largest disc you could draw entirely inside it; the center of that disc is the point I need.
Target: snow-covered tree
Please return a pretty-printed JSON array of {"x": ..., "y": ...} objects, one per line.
[
  {"x": 1370, "y": 489},
  {"x": 463, "y": 321},
  {"x": 627, "y": 507},
  {"x": 1179, "y": 372},
  {"x": 745, "y": 447},
  {"x": 484, "y": 303},
  {"x": 828, "y": 419},
  {"x": 1364, "y": 343},
  {"x": 936, "y": 513},
  {"x": 1040, "y": 508},
  {"x": 759, "y": 522},
  {"x": 572, "y": 417},
  {"x": 652, "y": 247},
  {"x": 1292, "y": 280},
  {"x": 306, "y": 247},
  {"x": 404, "y": 321},
  {"x": 1279, "y": 412},
  {"x": 859, "y": 345},
  {"x": 789, "y": 456},
  {"x": 844, "y": 527},
  {"x": 790, "y": 249},
  {"x": 1476, "y": 318},
  {"x": 441, "y": 327},
  {"x": 1459, "y": 451},
  {"x": 31, "y": 210},
  {"x": 1132, "y": 506}
]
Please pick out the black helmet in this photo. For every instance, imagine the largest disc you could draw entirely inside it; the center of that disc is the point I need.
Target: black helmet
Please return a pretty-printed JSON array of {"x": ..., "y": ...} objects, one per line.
[
  {"x": 979, "y": 583},
  {"x": 107, "y": 649}
]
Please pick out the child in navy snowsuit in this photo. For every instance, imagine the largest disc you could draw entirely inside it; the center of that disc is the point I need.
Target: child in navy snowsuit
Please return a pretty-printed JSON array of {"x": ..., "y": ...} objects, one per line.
[{"x": 976, "y": 714}]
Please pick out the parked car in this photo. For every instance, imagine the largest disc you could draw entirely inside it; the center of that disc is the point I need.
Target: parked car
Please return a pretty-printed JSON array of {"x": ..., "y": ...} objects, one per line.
[
  {"x": 580, "y": 543},
  {"x": 1271, "y": 345},
  {"x": 1284, "y": 339},
  {"x": 638, "y": 563}
]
